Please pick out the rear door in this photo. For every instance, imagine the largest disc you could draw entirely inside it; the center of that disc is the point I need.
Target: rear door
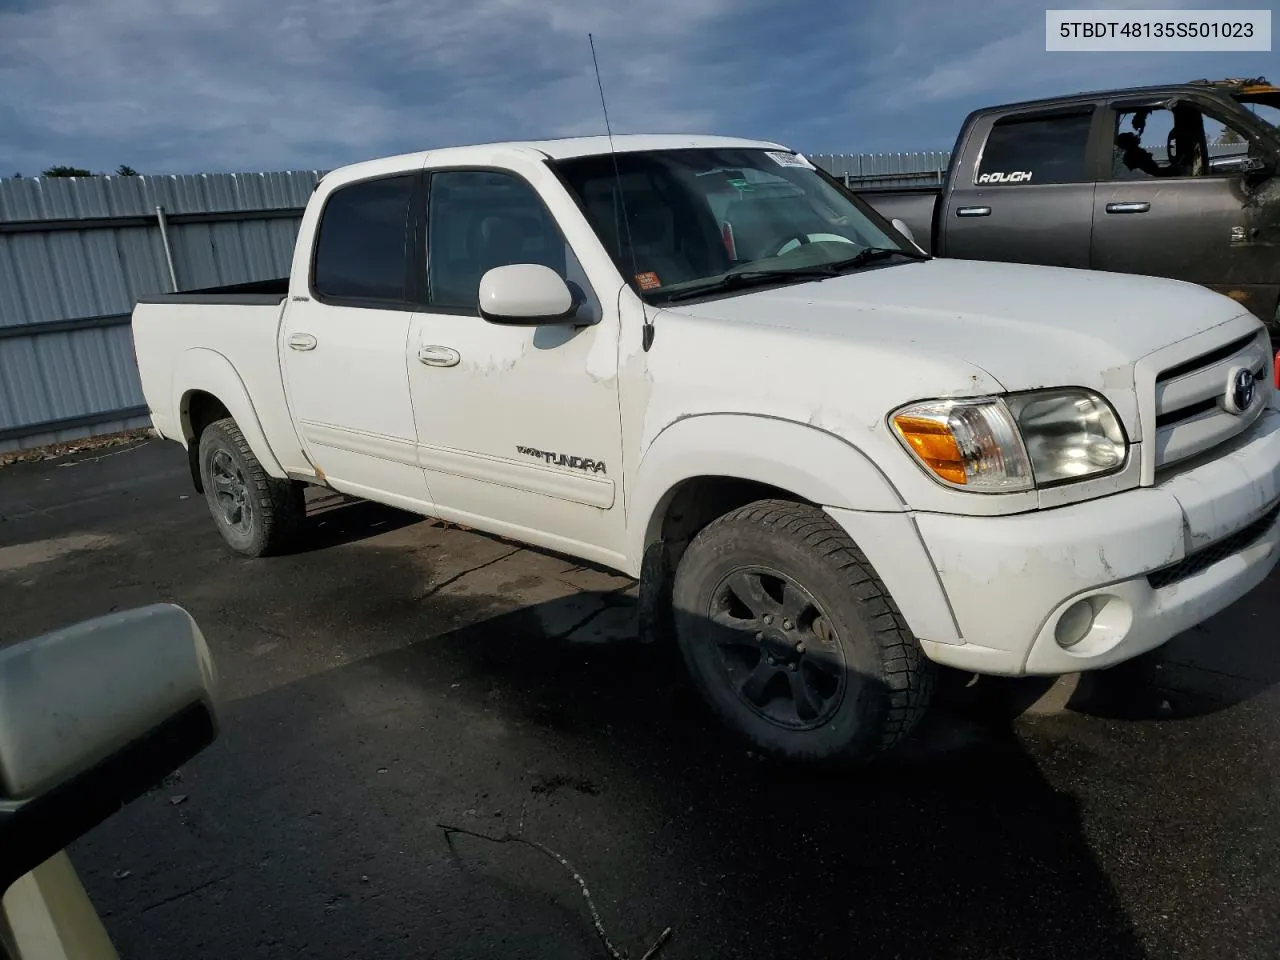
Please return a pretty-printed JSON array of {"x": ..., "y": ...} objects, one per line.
[
  {"x": 1197, "y": 218},
  {"x": 343, "y": 349},
  {"x": 1023, "y": 189}
]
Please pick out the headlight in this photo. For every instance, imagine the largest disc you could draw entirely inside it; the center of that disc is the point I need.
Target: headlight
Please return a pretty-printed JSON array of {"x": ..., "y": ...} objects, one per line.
[{"x": 1014, "y": 443}]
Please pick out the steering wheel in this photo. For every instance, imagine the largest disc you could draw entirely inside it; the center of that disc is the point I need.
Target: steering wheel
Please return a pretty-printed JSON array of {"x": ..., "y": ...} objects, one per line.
[{"x": 782, "y": 243}]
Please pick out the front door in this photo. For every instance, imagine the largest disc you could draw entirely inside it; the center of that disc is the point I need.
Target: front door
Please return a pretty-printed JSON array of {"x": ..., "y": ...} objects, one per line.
[
  {"x": 518, "y": 427},
  {"x": 343, "y": 347},
  {"x": 1029, "y": 198},
  {"x": 1174, "y": 205}
]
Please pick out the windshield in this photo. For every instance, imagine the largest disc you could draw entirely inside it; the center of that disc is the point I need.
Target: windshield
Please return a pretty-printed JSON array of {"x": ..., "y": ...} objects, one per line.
[
  {"x": 697, "y": 218},
  {"x": 1265, "y": 105}
]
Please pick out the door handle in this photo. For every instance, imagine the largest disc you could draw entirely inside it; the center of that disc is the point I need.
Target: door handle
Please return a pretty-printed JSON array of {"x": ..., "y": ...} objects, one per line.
[
  {"x": 302, "y": 341},
  {"x": 1133, "y": 206},
  {"x": 973, "y": 211},
  {"x": 437, "y": 356}
]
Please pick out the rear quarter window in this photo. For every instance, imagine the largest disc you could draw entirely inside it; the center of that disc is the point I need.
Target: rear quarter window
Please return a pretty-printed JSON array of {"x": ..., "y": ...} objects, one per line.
[{"x": 1031, "y": 150}]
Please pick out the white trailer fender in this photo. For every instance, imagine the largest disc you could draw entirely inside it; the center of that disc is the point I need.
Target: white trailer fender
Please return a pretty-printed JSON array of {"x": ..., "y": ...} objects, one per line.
[
  {"x": 207, "y": 370},
  {"x": 810, "y": 463}
]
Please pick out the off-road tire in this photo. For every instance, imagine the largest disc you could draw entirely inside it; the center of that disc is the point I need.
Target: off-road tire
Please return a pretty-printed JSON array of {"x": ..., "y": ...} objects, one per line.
[
  {"x": 274, "y": 509},
  {"x": 888, "y": 679}
]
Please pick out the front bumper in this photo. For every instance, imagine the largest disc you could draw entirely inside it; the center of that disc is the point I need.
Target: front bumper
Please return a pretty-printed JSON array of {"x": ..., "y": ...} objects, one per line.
[{"x": 1154, "y": 561}]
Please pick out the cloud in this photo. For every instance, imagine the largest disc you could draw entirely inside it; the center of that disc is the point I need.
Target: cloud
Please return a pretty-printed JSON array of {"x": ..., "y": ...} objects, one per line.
[
  {"x": 239, "y": 83},
  {"x": 251, "y": 85},
  {"x": 943, "y": 59}
]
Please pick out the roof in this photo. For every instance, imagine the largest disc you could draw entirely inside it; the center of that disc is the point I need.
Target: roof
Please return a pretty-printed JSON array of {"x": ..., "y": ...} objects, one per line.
[
  {"x": 562, "y": 149},
  {"x": 1223, "y": 87}
]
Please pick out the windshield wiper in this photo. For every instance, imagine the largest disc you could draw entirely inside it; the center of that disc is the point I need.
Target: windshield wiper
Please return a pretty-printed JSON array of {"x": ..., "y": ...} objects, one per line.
[
  {"x": 752, "y": 278},
  {"x": 871, "y": 254},
  {"x": 745, "y": 277}
]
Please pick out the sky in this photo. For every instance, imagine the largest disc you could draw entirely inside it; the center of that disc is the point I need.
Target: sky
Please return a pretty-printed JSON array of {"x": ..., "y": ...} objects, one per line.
[{"x": 185, "y": 86}]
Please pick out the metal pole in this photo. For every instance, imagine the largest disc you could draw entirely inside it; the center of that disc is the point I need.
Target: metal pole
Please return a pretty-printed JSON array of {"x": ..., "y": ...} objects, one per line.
[{"x": 168, "y": 253}]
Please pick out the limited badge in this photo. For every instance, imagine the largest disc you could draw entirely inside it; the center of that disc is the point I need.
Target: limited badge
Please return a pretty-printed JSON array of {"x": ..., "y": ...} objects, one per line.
[{"x": 648, "y": 280}]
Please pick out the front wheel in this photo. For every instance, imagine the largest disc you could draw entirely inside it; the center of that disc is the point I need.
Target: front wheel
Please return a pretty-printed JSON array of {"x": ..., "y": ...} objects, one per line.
[
  {"x": 257, "y": 514},
  {"x": 793, "y": 640}
]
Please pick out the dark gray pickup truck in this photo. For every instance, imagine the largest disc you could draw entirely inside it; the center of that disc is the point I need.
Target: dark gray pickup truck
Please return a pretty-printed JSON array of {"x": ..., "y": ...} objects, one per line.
[{"x": 1173, "y": 181}]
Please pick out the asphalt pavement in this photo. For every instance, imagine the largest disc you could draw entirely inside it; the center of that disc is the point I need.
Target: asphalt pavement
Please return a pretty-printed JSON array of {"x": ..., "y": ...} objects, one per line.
[{"x": 398, "y": 673}]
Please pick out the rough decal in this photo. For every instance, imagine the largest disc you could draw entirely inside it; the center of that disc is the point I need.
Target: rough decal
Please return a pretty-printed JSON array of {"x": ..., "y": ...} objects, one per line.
[
  {"x": 1017, "y": 176},
  {"x": 585, "y": 464}
]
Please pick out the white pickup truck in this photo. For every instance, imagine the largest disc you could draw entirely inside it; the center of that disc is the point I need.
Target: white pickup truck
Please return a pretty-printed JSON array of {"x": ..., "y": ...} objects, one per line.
[{"x": 831, "y": 460}]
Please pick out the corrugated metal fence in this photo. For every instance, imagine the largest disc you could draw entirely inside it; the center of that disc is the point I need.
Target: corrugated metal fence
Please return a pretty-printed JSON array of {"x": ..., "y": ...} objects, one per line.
[
  {"x": 886, "y": 169},
  {"x": 75, "y": 254}
]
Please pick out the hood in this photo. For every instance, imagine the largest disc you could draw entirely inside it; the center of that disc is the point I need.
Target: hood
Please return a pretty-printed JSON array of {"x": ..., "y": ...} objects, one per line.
[{"x": 1025, "y": 326}]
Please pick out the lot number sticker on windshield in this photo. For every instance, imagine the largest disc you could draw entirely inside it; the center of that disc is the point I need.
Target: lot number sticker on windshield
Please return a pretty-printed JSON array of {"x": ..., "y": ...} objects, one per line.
[{"x": 790, "y": 160}]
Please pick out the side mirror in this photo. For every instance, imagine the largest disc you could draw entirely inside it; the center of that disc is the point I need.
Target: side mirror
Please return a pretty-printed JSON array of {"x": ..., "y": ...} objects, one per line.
[
  {"x": 1251, "y": 167},
  {"x": 1257, "y": 166},
  {"x": 526, "y": 294},
  {"x": 92, "y": 716}
]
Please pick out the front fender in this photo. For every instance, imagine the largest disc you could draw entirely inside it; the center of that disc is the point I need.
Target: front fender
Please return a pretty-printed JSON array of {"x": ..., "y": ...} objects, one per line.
[
  {"x": 202, "y": 369},
  {"x": 808, "y": 462},
  {"x": 802, "y": 459}
]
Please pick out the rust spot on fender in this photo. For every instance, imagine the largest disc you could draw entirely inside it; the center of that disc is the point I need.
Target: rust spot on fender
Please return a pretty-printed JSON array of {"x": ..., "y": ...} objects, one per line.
[{"x": 320, "y": 474}]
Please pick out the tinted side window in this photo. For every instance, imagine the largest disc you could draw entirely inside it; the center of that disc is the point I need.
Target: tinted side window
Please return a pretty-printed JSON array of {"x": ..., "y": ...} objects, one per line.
[
  {"x": 1038, "y": 150},
  {"x": 481, "y": 219},
  {"x": 363, "y": 244}
]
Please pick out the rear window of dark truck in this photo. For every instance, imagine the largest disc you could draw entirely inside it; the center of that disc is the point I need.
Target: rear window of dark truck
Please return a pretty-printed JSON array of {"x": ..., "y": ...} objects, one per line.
[{"x": 1044, "y": 149}]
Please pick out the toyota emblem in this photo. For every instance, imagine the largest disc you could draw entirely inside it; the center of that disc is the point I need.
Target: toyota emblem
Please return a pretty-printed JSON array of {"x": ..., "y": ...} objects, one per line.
[{"x": 1242, "y": 386}]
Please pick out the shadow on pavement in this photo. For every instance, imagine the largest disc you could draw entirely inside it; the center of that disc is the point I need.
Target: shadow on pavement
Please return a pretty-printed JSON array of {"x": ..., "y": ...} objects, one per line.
[
  {"x": 334, "y": 519},
  {"x": 309, "y": 828},
  {"x": 955, "y": 846}
]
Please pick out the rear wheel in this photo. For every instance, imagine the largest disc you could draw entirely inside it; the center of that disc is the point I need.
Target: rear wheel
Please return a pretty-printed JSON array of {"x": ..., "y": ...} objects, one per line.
[
  {"x": 793, "y": 640},
  {"x": 256, "y": 514}
]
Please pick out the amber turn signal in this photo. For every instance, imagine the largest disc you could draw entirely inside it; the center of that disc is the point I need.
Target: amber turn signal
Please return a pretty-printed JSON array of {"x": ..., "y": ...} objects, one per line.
[{"x": 933, "y": 444}]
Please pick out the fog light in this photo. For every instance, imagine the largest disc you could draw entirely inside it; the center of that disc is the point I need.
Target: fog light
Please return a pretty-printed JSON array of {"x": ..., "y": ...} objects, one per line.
[{"x": 1075, "y": 624}]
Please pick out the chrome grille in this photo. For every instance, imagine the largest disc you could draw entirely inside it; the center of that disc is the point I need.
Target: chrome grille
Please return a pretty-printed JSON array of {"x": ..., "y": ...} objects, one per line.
[{"x": 1191, "y": 412}]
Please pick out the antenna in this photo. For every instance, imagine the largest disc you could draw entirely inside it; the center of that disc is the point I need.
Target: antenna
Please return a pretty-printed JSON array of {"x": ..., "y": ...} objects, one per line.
[{"x": 647, "y": 335}]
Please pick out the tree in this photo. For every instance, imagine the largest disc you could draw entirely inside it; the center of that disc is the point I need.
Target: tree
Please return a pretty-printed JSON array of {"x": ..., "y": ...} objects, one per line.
[
  {"x": 124, "y": 170},
  {"x": 67, "y": 172},
  {"x": 1228, "y": 135}
]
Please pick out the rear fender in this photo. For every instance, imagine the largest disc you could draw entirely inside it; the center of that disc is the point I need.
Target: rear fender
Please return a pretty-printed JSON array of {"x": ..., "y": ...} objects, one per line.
[{"x": 202, "y": 369}]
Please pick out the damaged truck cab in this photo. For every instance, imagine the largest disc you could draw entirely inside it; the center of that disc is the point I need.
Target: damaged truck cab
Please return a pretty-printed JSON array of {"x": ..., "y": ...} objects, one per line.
[
  {"x": 832, "y": 461},
  {"x": 1179, "y": 181}
]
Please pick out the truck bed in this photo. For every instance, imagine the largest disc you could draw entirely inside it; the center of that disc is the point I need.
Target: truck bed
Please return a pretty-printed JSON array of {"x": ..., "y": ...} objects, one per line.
[
  {"x": 914, "y": 206},
  {"x": 218, "y": 341},
  {"x": 256, "y": 293}
]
